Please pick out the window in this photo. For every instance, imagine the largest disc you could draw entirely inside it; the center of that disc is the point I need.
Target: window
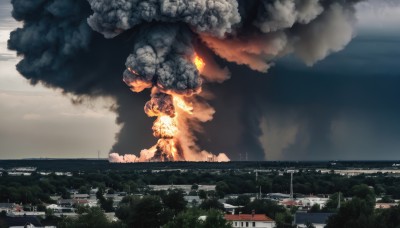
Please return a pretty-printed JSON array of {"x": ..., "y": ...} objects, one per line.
[
  {"x": 254, "y": 224},
  {"x": 242, "y": 224},
  {"x": 247, "y": 224}
]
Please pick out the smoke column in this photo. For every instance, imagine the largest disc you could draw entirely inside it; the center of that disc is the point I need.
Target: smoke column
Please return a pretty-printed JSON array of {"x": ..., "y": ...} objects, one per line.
[{"x": 171, "y": 48}]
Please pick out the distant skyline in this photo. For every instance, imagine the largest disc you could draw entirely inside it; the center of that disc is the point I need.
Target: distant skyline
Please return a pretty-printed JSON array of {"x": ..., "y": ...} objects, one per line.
[{"x": 347, "y": 104}]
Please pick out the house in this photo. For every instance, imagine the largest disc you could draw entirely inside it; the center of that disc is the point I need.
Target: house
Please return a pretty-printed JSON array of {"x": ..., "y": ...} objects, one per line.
[
  {"x": 80, "y": 196},
  {"x": 9, "y": 207},
  {"x": 317, "y": 219},
  {"x": 385, "y": 205},
  {"x": 230, "y": 208},
  {"x": 250, "y": 220},
  {"x": 24, "y": 221}
]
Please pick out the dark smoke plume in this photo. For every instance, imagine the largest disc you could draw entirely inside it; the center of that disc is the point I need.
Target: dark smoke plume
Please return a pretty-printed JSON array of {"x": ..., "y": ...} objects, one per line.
[{"x": 151, "y": 43}]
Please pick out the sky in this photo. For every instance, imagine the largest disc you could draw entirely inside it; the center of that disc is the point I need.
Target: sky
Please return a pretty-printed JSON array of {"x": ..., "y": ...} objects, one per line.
[{"x": 343, "y": 107}]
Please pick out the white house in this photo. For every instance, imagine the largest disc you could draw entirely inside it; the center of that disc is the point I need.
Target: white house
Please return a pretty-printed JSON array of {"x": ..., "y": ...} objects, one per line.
[{"x": 250, "y": 220}]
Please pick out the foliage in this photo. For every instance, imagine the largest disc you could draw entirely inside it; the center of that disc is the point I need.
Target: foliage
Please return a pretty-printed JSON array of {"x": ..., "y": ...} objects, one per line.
[
  {"x": 211, "y": 203},
  {"x": 142, "y": 213},
  {"x": 174, "y": 200},
  {"x": 190, "y": 218},
  {"x": 358, "y": 212},
  {"x": 268, "y": 207},
  {"x": 386, "y": 199},
  {"x": 239, "y": 201},
  {"x": 95, "y": 217},
  {"x": 315, "y": 208}
]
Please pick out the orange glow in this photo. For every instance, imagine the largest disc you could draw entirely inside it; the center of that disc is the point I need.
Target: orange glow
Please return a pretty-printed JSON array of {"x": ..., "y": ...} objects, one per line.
[
  {"x": 168, "y": 146},
  {"x": 180, "y": 103},
  {"x": 132, "y": 71},
  {"x": 165, "y": 127},
  {"x": 199, "y": 62}
]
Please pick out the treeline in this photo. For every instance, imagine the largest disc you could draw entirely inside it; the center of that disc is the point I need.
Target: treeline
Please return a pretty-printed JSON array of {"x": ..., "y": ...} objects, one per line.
[
  {"x": 91, "y": 165},
  {"x": 37, "y": 188}
]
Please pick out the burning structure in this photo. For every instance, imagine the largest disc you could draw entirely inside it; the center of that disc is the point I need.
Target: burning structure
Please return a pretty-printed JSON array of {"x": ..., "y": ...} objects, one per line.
[{"x": 174, "y": 49}]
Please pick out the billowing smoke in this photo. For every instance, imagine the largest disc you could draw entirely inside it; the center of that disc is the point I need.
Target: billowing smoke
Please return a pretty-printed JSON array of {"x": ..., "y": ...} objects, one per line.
[{"x": 173, "y": 47}]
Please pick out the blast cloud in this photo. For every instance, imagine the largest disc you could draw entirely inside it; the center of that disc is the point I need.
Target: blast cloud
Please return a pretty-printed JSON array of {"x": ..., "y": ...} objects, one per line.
[{"x": 158, "y": 39}]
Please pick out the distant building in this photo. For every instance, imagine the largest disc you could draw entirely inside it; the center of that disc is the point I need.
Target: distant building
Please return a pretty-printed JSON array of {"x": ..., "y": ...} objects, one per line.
[
  {"x": 80, "y": 196},
  {"x": 22, "y": 222},
  {"x": 230, "y": 208},
  {"x": 185, "y": 188},
  {"x": 10, "y": 207},
  {"x": 278, "y": 196},
  {"x": 317, "y": 219},
  {"x": 192, "y": 200},
  {"x": 250, "y": 220},
  {"x": 385, "y": 205}
]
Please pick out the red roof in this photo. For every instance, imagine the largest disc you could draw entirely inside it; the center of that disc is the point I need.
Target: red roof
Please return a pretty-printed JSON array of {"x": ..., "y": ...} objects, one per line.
[{"x": 248, "y": 217}]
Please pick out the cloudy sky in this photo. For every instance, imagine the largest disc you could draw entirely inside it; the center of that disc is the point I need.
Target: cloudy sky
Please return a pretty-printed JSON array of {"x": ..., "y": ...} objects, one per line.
[{"x": 344, "y": 107}]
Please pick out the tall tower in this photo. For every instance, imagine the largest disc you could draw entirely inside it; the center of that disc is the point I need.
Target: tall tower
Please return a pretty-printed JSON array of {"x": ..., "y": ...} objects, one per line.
[{"x": 291, "y": 183}]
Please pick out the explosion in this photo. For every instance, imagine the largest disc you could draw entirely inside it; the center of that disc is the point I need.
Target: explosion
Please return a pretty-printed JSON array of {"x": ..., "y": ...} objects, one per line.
[
  {"x": 173, "y": 47},
  {"x": 174, "y": 112}
]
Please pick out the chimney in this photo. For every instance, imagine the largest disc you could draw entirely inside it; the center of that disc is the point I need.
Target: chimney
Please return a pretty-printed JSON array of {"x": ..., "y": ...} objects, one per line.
[{"x": 252, "y": 213}]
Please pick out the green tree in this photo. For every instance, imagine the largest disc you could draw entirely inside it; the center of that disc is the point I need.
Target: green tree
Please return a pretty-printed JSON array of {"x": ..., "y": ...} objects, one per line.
[
  {"x": 141, "y": 213},
  {"x": 195, "y": 187},
  {"x": 268, "y": 207},
  {"x": 283, "y": 219},
  {"x": 211, "y": 203},
  {"x": 193, "y": 218},
  {"x": 356, "y": 213},
  {"x": 332, "y": 204},
  {"x": 315, "y": 208},
  {"x": 202, "y": 194},
  {"x": 388, "y": 218},
  {"x": 95, "y": 217},
  {"x": 222, "y": 188},
  {"x": 215, "y": 219},
  {"x": 174, "y": 200},
  {"x": 386, "y": 199}
]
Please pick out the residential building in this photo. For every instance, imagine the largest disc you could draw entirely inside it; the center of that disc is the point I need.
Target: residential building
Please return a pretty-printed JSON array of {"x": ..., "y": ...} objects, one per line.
[
  {"x": 319, "y": 220},
  {"x": 9, "y": 207},
  {"x": 250, "y": 220},
  {"x": 22, "y": 222}
]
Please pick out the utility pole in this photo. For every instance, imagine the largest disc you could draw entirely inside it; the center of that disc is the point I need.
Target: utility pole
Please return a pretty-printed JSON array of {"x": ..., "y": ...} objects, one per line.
[
  {"x": 291, "y": 183},
  {"x": 338, "y": 205},
  {"x": 256, "y": 176}
]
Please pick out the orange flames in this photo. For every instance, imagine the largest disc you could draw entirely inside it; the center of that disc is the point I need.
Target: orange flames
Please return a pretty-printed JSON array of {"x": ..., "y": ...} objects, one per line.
[
  {"x": 164, "y": 127},
  {"x": 177, "y": 114},
  {"x": 199, "y": 62},
  {"x": 174, "y": 114},
  {"x": 180, "y": 103}
]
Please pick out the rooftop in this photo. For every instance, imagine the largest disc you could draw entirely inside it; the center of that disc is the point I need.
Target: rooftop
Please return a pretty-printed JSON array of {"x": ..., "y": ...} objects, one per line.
[
  {"x": 315, "y": 218},
  {"x": 248, "y": 217}
]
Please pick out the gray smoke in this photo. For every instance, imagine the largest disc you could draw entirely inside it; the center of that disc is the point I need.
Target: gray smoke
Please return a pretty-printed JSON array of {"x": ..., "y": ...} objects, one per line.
[
  {"x": 112, "y": 17},
  {"x": 160, "y": 56},
  {"x": 157, "y": 39}
]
